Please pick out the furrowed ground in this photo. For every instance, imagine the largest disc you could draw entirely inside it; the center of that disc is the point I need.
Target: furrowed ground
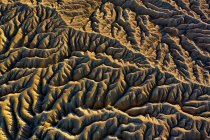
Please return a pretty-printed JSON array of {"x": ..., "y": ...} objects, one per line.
[{"x": 105, "y": 69}]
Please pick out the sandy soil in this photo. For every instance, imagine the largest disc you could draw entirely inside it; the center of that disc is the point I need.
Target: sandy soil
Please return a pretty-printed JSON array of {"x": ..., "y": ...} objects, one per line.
[{"x": 104, "y": 69}]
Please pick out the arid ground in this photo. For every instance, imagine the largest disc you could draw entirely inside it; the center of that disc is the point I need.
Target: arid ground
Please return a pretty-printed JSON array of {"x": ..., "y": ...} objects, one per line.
[{"x": 104, "y": 69}]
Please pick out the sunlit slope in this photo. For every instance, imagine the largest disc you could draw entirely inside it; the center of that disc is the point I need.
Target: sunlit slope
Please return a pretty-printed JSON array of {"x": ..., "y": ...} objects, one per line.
[{"x": 117, "y": 69}]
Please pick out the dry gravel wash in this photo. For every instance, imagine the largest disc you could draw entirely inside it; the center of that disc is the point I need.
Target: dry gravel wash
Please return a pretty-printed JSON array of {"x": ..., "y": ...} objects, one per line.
[{"x": 104, "y": 69}]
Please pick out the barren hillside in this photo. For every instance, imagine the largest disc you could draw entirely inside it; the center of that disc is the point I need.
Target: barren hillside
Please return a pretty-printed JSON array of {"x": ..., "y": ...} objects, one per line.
[{"x": 104, "y": 69}]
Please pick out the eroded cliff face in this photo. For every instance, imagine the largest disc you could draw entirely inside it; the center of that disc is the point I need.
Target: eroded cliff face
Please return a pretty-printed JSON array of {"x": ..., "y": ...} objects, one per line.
[{"x": 109, "y": 69}]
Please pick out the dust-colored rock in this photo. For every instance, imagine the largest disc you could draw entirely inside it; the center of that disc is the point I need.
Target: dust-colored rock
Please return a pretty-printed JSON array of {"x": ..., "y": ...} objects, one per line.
[{"x": 104, "y": 69}]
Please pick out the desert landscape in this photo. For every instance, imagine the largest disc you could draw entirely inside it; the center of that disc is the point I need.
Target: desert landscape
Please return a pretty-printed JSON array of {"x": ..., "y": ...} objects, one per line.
[{"x": 104, "y": 69}]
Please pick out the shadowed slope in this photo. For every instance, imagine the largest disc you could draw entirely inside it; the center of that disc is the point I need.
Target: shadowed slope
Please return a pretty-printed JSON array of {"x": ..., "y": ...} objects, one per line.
[{"x": 128, "y": 70}]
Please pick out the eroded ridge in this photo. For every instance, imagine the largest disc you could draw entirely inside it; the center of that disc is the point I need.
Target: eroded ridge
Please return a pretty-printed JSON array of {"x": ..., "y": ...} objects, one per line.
[{"x": 109, "y": 69}]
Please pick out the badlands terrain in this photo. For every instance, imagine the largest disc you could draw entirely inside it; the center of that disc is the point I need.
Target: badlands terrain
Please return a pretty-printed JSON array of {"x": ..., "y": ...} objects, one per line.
[{"x": 104, "y": 69}]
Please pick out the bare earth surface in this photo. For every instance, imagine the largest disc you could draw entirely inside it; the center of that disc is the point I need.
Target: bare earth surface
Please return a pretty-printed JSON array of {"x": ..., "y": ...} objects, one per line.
[{"x": 105, "y": 69}]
